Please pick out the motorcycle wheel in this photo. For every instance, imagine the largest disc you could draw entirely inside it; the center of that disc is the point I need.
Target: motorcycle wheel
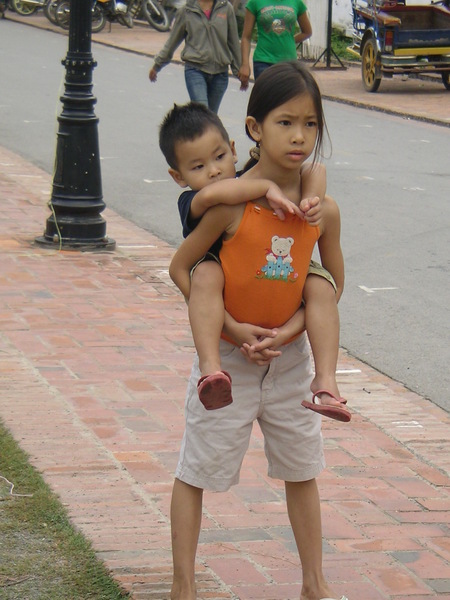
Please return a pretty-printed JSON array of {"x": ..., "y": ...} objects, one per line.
[
  {"x": 98, "y": 19},
  {"x": 62, "y": 13},
  {"x": 126, "y": 20},
  {"x": 23, "y": 8},
  {"x": 50, "y": 11},
  {"x": 156, "y": 15},
  {"x": 134, "y": 8}
]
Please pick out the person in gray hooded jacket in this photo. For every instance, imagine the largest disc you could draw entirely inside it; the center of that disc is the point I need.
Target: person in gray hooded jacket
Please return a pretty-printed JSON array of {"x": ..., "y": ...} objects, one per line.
[{"x": 211, "y": 45}]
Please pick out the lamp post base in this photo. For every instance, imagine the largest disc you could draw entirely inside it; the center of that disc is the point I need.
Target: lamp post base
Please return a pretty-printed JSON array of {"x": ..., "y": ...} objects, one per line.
[
  {"x": 82, "y": 231},
  {"x": 57, "y": 244}
]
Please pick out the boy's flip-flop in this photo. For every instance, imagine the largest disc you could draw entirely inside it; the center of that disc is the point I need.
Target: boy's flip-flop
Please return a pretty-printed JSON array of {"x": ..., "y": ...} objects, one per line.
[
  {"x": 343, "y": 598},
  {"x": 339, "y": 413},
  {"x": 214, "y": 390}
]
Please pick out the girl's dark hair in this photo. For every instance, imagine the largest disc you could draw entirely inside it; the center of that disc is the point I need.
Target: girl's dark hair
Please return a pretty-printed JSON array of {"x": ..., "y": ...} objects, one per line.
[
  {"x": 184, "y": 124},
  {"x": 279, "y": 84}
]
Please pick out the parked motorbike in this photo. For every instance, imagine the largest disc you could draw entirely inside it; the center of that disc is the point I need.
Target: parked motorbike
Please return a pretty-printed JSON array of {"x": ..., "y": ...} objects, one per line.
[
  {"x": 50, "y": 11},
  {"x": 103, "y": 11},
  {"x": 171, "y": 7},
  {"x": 26, "y": 7},
  {"x": 154, "y": 13},
  {"x": 111, "y": 11}
]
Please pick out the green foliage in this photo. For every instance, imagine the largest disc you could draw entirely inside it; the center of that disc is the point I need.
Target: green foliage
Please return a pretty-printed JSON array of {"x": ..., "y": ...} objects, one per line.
[{"x": 340, "y": 42}]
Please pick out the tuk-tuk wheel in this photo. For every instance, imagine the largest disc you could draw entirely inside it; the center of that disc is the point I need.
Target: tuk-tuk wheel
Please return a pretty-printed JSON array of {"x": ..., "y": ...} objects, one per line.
[
  {"x": 446, "y": 80},
  {"x": 371, "y": 79}
]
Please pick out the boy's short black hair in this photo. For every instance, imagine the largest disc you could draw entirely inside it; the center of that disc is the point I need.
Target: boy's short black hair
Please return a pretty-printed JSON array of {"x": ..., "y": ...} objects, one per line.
[{"x": 184, "y": 124}]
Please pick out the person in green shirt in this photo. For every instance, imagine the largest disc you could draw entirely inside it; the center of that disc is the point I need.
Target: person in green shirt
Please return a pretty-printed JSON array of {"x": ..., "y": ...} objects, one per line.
[{"x": 277, "y": 37}]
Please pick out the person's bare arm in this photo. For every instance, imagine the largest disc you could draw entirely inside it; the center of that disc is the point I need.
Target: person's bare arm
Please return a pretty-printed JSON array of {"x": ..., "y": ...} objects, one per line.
[
  {"x": 305, "y": 29},
  {"x": 237, "y": 191},
  {"x": 314, "y": 187},
  {"x": 246, "y": 40},
  {"x": 210, "y": 228}
]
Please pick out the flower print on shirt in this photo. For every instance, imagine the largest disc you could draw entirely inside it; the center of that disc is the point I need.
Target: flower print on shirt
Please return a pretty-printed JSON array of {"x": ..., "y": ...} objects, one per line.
[{"x": 278, "y": 261}]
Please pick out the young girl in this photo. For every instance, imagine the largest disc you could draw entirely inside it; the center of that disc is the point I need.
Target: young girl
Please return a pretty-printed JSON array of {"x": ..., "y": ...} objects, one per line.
[
  {"x": 211, "y": 44},
  {"x": 265, "y": 263},
  {"x": 276, "y": 23}
]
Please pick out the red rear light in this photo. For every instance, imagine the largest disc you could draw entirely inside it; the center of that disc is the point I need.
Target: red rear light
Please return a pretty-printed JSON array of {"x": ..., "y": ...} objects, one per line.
[{"x": 388, "y": 40}]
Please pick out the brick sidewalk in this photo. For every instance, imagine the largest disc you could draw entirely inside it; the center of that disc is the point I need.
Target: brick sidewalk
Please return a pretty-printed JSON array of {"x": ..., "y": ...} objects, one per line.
[{"x": 96, "y": 352}]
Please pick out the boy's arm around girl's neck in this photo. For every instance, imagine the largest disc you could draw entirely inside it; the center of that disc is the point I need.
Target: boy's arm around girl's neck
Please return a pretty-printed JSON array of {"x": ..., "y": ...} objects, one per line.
[
  {"x": 313, "y": 180},
  {"x": 238, "y": 191}
]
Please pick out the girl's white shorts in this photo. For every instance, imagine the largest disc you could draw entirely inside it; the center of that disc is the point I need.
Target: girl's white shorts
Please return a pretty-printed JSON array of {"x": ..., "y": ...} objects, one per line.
[{"x": 215, "y": 441}]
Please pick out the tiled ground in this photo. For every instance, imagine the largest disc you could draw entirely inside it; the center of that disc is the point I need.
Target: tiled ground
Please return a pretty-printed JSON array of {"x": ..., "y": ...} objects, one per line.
[{"x": 95, "y": 354}]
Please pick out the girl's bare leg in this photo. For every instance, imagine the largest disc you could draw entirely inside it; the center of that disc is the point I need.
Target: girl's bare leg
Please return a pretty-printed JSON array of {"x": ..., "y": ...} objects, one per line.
[
  {"x": 322, "y": 326},
  {"x": 207, "y": 314},
  {"x": 303, "y": 506},
  {"x": 186, "y": 518}
]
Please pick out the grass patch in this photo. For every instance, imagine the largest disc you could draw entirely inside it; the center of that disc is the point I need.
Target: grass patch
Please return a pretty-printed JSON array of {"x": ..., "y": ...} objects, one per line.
[
  {"x": 340, "y": 42},
  {"x": 42, "y": 556}
]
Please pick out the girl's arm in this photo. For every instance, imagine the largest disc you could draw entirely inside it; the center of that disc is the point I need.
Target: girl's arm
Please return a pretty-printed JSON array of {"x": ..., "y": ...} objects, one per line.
[
  {"x": 237, "y": 191},
  {"x": 330, "y": 245},
  {"x": 314, "y": 186},
  {"x": 246, "y": 40},
  {"x": 305, "y": 29},
  {"x": 213, "y": 224}
]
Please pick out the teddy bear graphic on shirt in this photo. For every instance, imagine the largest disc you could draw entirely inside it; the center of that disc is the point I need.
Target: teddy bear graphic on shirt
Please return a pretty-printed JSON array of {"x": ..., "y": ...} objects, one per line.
[{"x": 278, "y": 260}]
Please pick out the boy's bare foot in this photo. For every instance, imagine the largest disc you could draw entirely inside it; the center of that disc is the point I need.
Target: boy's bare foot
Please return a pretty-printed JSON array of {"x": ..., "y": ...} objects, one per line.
[{"x": 214, "y": 390}]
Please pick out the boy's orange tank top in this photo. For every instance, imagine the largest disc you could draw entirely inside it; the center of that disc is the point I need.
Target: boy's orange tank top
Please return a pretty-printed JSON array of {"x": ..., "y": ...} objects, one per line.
[{"x": 265, "y": 266}]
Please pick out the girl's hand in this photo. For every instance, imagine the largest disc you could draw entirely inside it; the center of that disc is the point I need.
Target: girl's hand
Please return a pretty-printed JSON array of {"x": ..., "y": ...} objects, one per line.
[
  {"x": 280, "y": 204},
  {"x": 262, "y": 358},
  {"x": 311, "y": 209},
  {"x": 266, "y": 348},
  {"x": 272, "y": 343},
  {"x": 246, "y": 333},
  {"x": 244, "y": 76}
]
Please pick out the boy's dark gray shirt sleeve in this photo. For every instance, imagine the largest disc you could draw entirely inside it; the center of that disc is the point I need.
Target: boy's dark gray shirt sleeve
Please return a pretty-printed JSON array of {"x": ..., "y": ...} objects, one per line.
[
  {"x": 189, "y": 224},
  {"x": 184, "y": 208}
]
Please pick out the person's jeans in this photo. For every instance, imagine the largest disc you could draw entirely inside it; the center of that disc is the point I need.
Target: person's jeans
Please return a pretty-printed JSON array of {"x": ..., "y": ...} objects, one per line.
[
  {"x": 259, "y": 67},
  {"x": 205, "y": 88}
]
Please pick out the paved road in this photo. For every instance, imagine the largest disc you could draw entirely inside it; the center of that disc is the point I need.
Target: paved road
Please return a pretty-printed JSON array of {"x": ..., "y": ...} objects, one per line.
[{"x": 389, "y": 174}]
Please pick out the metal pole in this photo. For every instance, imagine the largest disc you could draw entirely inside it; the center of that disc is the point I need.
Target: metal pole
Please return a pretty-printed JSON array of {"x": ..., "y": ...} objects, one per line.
[
  {"x": 77, "y": 199},
  {"x": 329, "y": 49}
]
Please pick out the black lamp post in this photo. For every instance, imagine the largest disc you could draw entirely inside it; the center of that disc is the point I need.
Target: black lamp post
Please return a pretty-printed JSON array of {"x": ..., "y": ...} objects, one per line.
[{"x": 77, "y": 199}]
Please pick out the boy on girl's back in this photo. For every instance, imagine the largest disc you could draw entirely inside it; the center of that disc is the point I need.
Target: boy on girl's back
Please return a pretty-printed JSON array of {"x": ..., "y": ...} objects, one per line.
[{"x": 201, "y": 156}]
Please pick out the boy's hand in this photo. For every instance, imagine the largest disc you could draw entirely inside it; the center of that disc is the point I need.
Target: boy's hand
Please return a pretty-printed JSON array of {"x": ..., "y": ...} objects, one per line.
[
  {"x": 311, "y": 209},
  {"x": 280, "y": 204},
  {"x": 153, "y": 75}
]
